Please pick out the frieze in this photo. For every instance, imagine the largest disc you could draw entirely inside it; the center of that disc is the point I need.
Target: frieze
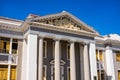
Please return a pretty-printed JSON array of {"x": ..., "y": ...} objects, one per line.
[{"x": 63, "y": 22}]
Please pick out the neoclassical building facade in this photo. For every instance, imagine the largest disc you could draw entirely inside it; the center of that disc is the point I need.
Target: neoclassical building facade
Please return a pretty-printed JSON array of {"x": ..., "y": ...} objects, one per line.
[{"x": 56, "y": 47}]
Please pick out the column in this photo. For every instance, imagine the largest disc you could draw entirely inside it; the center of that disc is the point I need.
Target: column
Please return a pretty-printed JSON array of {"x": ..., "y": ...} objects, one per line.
[
  {"x": 93, "y": 63},
  {"x": 31, "y": 57},
  {"x": 57, "y": 60},
  {"x": 72, "y": 62},
  {"x": 40, "y": 69},
  {"x": 24, "y": 60},
  {"x": 81, "y": 61},
  {"x": 86, "y": 62},
  {"x": 109, "y": 63}
]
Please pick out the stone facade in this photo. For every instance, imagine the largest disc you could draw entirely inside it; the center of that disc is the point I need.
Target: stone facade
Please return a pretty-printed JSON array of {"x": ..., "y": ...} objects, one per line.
[{"x": 58, "y": 47}]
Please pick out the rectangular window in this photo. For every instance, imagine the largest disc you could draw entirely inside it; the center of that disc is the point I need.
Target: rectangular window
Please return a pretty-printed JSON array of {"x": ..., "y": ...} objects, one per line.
[
  {"x": 3, "y": 72},
  {"x": 45, "y": 49},
  {"x": 68, "y": 73},
  {"x": 118, "y": 56},
  {"x": 44, "y": 73},
  {"x": 100, "y": 74},
  {"x": 68, "y": 51},
  {"x": 118, "y": 74},
  {"x": 4, "y": 45},
  {"x": 101, "y": 55},
  {"x": 97, "y": 55},
  {"x": 14, "y": 46},
  {"x": 13, "y": 73}
]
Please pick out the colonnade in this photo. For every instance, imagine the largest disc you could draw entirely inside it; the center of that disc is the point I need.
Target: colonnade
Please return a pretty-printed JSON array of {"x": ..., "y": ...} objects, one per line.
[{"x": 31, "y": 59}]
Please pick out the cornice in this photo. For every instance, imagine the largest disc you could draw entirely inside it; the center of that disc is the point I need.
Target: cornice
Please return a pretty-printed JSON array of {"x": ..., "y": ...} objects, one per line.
[
  {"x": 107, "y": 41},
  {"x": 62, "y": 29},
  {"x": 8, "y": 27},
  {"x": 11, "y": 19},
  {"x": 65, "y": 14}
]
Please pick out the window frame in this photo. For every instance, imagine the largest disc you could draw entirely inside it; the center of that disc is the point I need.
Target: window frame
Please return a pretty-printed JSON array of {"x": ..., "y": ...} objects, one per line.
[{"x": 117, "y": 52}]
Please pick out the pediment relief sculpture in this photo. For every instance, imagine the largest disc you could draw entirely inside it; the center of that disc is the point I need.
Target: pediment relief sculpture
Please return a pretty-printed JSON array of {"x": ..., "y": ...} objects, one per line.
[{"x": 63, "y": 22}]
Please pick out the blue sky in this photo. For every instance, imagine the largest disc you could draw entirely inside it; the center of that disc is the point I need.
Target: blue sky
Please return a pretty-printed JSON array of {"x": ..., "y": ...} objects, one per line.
[{"x": 102, "y": 15}]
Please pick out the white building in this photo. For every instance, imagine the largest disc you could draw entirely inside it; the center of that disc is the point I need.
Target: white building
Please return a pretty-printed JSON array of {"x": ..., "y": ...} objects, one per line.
[{"x": 56, "y": 47}]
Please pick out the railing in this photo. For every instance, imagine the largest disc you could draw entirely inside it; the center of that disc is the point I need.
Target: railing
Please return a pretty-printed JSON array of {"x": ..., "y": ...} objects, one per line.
[
  {"x": 14, "y": 51},
  {"x": 8, "y": 58},
  {"x": 4, "y": 58}
]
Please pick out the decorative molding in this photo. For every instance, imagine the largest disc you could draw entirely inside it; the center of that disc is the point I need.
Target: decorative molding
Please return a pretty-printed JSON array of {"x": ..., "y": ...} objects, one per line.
[
  {"x": 61, "y": 62},
  {"x": 62, "y": 29},
  {"x": 52, "y": 19}
]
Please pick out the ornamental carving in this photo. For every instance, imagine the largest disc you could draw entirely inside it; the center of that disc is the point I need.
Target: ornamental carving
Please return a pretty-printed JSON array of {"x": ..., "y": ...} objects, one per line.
[{"x": 61, "y": 22}]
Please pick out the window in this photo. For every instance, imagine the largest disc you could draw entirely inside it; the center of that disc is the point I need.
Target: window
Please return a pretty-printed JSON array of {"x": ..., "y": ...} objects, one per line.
[
  {"x": 4, "y": 45},
  {"x": 3, "y": 72},
  {"x": 44, "y": 73},
  {"x": 118, "y": 56},
  {"x": 100, "y": 64},
  {"x": 68, "y": 74},
  {"x": 14, "y": 46},
  {"x": 118, "y": 74},
  {"x": 13, "y": 73},
  {"x": 99, "y": 55},
  {"x": 45, "y": 49},
  {"x": 100, "y": 74},
  {"x": 68, "y": 51}
]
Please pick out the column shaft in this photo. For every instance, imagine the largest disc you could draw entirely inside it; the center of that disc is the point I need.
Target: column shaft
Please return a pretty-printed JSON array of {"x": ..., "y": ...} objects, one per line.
[
  {"x": 72, "y": 62},
  {"x": 81, "y": 61},
  {"x": 86, "y": 63},
  {"x": 93, "y": 65},
  {"x": 57, "y": 60},
  {"x": 109, "y": 63},
  {"x": 31, "y": 65},
  {"x": 40, "y": 62},
  {"x": 24, "y": 60}
]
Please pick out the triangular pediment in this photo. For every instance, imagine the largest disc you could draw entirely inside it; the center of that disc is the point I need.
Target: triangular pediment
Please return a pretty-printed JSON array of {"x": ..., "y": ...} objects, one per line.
[{"x": 65, "y": 20}]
